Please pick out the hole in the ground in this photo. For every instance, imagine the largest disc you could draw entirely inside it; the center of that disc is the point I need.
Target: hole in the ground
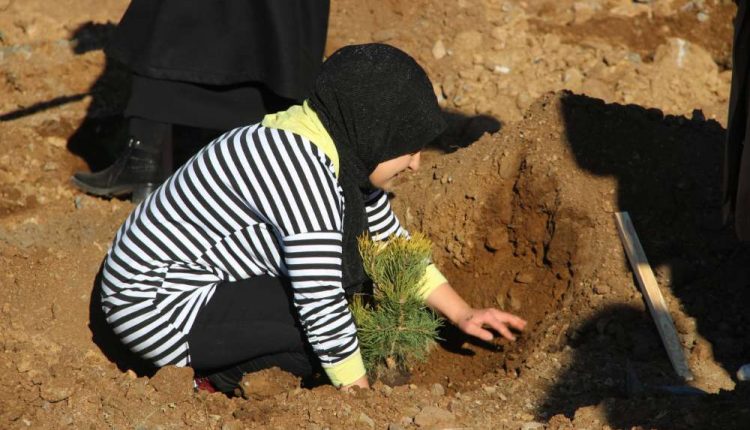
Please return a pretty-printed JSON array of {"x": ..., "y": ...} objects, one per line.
[{"x": 517, "y": 259}]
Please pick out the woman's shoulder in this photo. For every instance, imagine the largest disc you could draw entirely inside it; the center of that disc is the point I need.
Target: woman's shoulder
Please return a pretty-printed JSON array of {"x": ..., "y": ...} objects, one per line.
[
  {"x": 307, "y": 155},
  {"x": 273, "y": 150}
]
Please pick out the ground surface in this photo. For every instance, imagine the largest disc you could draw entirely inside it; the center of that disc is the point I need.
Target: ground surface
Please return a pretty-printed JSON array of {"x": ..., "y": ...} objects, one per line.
[{"x": 521, "y": 219}]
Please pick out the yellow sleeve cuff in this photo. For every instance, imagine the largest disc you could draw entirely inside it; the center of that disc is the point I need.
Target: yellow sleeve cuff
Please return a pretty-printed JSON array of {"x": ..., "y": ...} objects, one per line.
[
  {"x": 347, "y": 371},
  {"x": 432, "y": 279}
]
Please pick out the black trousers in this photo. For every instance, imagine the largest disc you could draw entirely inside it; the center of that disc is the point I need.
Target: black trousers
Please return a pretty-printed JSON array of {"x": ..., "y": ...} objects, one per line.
[
  {"x": 193, "y": 114},
  {"x": 213, "y": 107},
  {"x": 247, "y": 326}
]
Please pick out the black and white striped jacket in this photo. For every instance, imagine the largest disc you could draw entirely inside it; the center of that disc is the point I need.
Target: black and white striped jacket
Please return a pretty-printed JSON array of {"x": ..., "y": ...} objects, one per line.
[{"x": 256, "y": 201}]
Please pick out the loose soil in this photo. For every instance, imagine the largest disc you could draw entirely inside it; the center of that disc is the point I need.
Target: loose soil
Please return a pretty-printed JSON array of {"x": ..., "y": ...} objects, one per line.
[{"x": 561, "y": 114}]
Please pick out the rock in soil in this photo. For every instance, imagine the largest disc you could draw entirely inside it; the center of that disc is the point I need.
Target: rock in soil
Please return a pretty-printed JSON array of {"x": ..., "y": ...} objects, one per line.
[
  {"x": 431, "y": 416},
  {"x": 175, "y": 383},
  {"x": 267, "y": 383}
]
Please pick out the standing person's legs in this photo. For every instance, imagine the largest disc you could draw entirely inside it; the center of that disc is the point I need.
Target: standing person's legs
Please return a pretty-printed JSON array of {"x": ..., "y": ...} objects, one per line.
[
  {"x": 154, "y": 107},
  {"x": 144, "y": 164},
  {"x": 248, "y": 326},
  {"x": 212, "y": 107}
]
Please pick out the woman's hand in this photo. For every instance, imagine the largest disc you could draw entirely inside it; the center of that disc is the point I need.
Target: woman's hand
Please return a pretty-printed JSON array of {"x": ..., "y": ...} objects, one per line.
[
  {"x": 474, "y": 322},
  {"x": 477, "y": 321},
  {"x": 361, "y": 383}
]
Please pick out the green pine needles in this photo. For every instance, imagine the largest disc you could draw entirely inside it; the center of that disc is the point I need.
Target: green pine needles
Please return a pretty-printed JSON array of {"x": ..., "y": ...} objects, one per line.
[{"x": 396, "y": 329}]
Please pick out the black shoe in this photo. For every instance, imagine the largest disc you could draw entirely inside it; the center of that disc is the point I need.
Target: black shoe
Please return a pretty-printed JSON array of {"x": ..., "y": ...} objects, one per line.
[{"x": 138, "y": 171}]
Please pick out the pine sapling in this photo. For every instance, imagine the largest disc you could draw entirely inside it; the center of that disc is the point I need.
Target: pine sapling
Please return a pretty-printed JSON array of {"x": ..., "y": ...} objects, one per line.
[{"x": 395, "y": 328}]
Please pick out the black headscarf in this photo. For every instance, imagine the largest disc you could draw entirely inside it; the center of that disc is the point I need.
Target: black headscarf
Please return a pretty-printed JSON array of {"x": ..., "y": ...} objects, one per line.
[{"x": 377, "y": 104}]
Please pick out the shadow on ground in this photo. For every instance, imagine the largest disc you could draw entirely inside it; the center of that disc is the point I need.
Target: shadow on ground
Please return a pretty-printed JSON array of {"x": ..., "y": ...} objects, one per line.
[
  {"x": 618, "y": 378},
  {"x": 463, "y": 130},
  {"x": 668, "y": 179},
  {"x": 98, "y": 138},
  {"x": 101, "y": 135}
]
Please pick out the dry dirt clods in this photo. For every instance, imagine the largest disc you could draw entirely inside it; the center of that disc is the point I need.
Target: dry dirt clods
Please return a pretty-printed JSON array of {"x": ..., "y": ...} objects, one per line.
[{"x": 521, "y": 219}]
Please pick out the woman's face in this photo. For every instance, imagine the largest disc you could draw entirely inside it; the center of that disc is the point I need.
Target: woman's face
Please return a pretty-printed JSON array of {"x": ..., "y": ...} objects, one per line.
[{"x": 384, "y": 173}]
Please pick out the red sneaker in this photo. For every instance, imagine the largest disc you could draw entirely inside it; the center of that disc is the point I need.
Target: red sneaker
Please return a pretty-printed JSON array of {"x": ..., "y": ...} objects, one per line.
[{"x": 202, "y": 383}]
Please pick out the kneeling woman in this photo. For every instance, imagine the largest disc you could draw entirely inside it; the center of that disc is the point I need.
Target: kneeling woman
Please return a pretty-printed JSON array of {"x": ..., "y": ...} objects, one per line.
[{"x": 243, "y": 259}]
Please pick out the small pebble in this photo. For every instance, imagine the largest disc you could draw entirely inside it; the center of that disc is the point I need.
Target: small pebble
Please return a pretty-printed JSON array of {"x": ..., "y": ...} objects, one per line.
[
  {"x": 437, "y": 390},
  {"x": 364, "y": 419},
  {"x": 524, "y": 278},
  {"x": 503, "y": 70},
  {"x": 702, "y": 17},
  {"x": 438, "y": 50},
  {"x": 432, "y": 415},
  {"x": 634, "y": 57},
  {"x": 384, "y": 35},
  {"x": 387, "y": 390}
]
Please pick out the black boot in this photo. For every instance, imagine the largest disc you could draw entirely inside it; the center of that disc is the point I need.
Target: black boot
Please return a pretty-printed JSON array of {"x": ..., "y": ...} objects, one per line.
[{"x": 140, "y": 169}]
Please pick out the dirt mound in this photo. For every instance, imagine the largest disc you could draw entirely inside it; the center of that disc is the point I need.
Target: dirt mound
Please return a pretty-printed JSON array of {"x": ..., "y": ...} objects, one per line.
[
  {"x": 522, "y": 219},
  {"x": 267, "y": 383}
]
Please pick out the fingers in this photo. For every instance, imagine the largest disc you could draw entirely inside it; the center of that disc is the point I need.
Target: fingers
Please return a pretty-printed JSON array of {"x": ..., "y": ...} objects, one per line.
[
  {"x": 362, "y": 382},
  {"x": 485, "y": 318},
  {"x": 476, "y": 330},
  {"x": 499, "y": 322},
  {"x": 514, "y": 321},
  {"x": 495, "y": 320},
  {"x": 500, "y": 327}
]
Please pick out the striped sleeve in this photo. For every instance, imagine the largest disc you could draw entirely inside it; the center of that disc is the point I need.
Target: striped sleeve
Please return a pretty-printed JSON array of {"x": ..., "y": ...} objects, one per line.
[
  {"x": 308, "y": 214},
  {"x": 314, "y": 263},
  {"x": 383, "y": 223}
]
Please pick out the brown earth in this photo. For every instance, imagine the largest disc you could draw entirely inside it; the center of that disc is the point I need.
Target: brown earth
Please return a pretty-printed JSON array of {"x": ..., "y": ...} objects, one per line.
[{"x": 522, "y": 219}]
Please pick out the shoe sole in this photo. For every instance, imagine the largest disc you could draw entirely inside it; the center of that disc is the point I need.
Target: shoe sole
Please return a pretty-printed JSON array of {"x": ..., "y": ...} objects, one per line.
[{"x": 138, "y": 192}]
